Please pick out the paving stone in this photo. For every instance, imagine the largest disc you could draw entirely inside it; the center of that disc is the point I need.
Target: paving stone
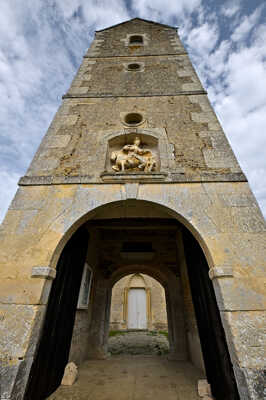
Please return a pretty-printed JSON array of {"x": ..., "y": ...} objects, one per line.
[{"x": 133, "y": 377}]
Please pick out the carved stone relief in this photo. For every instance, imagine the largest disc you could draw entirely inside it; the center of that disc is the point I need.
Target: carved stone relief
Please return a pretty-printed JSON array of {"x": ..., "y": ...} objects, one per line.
[
  {"x": 135, "y": 154},
  {"x": 133, "y": 157}
]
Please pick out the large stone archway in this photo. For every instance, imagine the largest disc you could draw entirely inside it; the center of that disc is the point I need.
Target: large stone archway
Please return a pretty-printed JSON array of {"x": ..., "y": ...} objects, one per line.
[
  {"x": 107, "y": 237},
  {"x": 67, "y": 208}
]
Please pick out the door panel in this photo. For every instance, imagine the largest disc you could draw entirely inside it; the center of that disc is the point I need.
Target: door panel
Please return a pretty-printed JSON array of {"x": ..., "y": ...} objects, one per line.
[
  {"x": 216, "y": 356},
  {"x": 137, "y": 318},
  {"x": 52, "y": 355}
]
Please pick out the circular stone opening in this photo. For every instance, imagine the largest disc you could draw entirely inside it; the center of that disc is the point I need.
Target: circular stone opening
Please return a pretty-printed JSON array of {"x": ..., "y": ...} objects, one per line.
[
  {"x": 133, "y": 119},
  {"x": 133, "y": 67}
]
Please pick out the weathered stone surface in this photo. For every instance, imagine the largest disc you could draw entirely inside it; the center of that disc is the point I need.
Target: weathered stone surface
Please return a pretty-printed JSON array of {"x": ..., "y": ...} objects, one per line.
[
  {"x": 70, "y": 374},
  {"x": 245, "y": 331},
  {"x": 221, "y": 271},
  {"x": 13, "y": 378},
  {"x": 58, "y": 141},
  {"x": 20, "y": 326},
  {"x": 19, "y": 332},
  {"x": 130, "y": 190},
  {"x": 43, "y": 272},
  {"x": 204, "y": 389},
  {"x": 80, "y": 344},
  {"x": 251, "y": 383}
]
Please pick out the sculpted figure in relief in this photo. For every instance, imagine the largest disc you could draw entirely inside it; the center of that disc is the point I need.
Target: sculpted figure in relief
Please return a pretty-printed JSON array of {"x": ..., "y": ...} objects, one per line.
[{"x": 133, "y": 157}]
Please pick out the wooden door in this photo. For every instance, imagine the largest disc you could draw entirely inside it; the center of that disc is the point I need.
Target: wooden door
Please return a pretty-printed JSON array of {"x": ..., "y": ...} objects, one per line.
[
  {"x": 53, "y": 350},
  {"x": 219, "y": 369},
  {"x": 137, "y": 309}
]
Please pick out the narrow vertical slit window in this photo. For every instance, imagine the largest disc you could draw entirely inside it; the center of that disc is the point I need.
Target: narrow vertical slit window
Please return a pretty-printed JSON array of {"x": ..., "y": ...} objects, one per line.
[{"x": 84, "y": 293}]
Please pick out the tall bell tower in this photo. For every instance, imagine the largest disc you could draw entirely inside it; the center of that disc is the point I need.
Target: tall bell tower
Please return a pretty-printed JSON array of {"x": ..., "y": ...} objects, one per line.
[{"x": 135, "y": 132}]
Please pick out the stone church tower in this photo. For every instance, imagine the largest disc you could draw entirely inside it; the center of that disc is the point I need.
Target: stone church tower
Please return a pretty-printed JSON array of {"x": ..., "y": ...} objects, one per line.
[{"x": 134, "y": 175}]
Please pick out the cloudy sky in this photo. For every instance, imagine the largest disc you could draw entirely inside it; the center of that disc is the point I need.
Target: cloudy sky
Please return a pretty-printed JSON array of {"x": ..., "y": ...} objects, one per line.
[{"x": 42, "y": 43}]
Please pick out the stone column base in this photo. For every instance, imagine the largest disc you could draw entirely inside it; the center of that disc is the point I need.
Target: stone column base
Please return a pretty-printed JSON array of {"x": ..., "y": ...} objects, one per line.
[{"x": 98, "y": 355}]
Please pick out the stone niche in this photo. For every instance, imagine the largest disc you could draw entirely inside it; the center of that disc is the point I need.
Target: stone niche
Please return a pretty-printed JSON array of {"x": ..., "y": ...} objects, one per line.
[{"x": 133, "y": 153}]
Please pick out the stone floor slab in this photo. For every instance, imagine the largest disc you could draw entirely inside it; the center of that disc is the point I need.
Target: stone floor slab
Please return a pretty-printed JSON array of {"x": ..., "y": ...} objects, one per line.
[{"x": 129, "y": 377}]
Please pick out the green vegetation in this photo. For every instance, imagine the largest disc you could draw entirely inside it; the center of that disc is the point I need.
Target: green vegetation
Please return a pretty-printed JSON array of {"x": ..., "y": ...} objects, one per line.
[
  {"x": 152, "y": 333},
  {"x": 164, "y": 333},
  {"x": 115, "y": 333}
]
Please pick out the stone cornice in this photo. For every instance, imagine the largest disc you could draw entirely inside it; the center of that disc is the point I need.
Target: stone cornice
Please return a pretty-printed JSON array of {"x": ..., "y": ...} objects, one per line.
[
  {"x": 181, "y": 53},
  {"x": 94, "y": 95},
  {"x": 107, "y": 177},
  {"x": 43, "y": 272}
]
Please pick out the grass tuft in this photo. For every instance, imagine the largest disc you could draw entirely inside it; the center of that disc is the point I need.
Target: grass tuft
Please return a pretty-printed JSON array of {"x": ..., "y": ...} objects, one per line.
[
  {"x": 115, "y": 333},
  {"x": 165, "y": 333}
]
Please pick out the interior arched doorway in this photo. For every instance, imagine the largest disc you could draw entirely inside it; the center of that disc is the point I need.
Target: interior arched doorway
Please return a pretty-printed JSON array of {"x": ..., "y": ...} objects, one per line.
[
  {"x": 114, "y": 245},
  {"x": 131, "y": 303}
]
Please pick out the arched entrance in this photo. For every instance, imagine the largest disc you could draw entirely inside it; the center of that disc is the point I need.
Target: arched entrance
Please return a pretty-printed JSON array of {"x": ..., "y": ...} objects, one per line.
[
  {"x": 117, "y": 245},
  {"x": 152, "y": 303}
]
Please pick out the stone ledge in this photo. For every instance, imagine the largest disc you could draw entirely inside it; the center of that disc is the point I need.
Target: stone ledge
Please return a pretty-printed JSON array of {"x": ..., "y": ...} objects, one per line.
[
  {"x": 179, "y": 53},
  {"x": 173, "y": 177},
  {"x": 54, "y": 180},
  {"x": 140, "y": 176},
  {"x": 110, "y": 95},
  {"x": 35, "y": 180},
  {"x": 221, "y": 272},
  {"x": 43, "y": 272},
  {"x": 209, "y": 177}
]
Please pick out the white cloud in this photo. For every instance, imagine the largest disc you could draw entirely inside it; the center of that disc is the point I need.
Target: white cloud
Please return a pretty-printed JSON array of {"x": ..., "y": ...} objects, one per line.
[
  {"x": 203, "y": 39},
  {"x": 229, "y": 9},
  {"x": 246, "y": 25},
  {"x": 99, "y": 14},
  {"x": 105, "y": 13},
  {"x": 240, "y": 103},
  {"x": 41, "y": 47},
  {"x": 235, "y": 77},
  {"x": 162, "y": 11}
]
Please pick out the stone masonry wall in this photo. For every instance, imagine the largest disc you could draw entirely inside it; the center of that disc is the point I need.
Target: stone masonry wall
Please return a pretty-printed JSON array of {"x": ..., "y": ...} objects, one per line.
[
  {"x": 114, "y": 42},
  {"x": 111, "y": 76},
  {"x": 73, "y": 146},
  {"x": 165, "y": 91}
]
